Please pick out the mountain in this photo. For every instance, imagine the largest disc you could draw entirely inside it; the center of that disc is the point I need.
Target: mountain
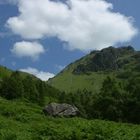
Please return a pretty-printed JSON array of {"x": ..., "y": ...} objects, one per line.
[
  {"x": 90, "y": 71},
  {"x": 23, "y": 97}
]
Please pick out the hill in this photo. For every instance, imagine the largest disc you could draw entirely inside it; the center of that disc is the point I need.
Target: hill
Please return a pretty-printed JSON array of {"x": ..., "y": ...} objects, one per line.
[
  {"x": 21, "y": 85},
  {"x": 90, "y": 71},
  {"x": 4, "y": 72}
]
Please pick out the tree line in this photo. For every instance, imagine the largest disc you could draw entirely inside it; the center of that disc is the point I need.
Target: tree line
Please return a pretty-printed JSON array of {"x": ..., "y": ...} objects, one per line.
[
  {"x": 116, "y": 101},
  {"x": 27, "y": 88}
]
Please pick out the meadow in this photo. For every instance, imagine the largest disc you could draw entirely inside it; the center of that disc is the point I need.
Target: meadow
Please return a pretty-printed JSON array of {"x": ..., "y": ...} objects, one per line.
[{"x": 21, "y": 120}]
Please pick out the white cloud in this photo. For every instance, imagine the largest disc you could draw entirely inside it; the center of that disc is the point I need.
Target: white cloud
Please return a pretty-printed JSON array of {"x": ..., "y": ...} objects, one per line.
[
  {"x": 44, "y": 76},
  {"x": 83, "y": 24},
  {"x": 28, "y": 49}
]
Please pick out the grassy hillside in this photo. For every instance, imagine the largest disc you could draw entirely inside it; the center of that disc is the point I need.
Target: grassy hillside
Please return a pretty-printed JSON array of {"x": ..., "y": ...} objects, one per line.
[
  {"x": 25, "y": 121},
  {"x": 90, "y": 71},
  {"x": 69, "y": 82},
  {"x": 4, "y": 72}
]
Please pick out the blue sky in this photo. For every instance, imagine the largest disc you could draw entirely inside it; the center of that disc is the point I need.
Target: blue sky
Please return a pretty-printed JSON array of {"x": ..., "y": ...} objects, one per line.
[{"x": 51, "y": 39}]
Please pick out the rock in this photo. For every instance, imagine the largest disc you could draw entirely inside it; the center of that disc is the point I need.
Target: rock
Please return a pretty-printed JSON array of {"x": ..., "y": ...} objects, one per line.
[
  {"x": 62, "y": 110},
  {"x": 108, "y": 59}
]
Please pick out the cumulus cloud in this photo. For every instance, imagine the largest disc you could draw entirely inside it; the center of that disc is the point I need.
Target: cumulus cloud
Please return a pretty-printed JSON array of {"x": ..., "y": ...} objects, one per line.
[
  {"x": 44, "y": 76},
  {"x": 83, "y": 24},
  {"x": 28, "y": 49}
]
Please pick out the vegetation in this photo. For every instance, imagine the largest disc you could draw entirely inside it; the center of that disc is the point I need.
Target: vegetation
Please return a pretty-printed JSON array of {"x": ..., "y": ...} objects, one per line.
[
  {"x": 104, "y": 85},
  {"x": 116, "y": 101},
  {"x": 71, "y": 83},
  {"x": 25, "y": 121},
  {"x": 90, "y": 71},
  {"x": 17, "y": 86},
  {"x": 4, "y": 72}
]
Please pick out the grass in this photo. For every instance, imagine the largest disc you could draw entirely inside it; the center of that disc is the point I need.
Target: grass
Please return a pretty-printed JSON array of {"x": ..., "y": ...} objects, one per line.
[
  {"x": 25, "y": 121},
  {"x": 4, "y": 72},
  {"x": 69, "y": 82}
]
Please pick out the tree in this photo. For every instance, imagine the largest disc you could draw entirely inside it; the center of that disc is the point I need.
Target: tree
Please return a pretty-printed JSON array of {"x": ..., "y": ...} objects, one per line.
[
  {"x": 30, "y": 89},
  {"x": 110, "y": 88},
  {"x": 107, "y": 103},
  {"x": 41, "y": 87},
  {"x": 12, "y": 87}
]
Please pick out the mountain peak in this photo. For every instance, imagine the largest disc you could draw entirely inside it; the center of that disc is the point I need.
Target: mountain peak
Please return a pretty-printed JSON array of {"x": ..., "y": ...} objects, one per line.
[
  {"x": 119, "y": 50},
  {"x": 90, "y": 71},
  {"x": 110, "y": 58}
]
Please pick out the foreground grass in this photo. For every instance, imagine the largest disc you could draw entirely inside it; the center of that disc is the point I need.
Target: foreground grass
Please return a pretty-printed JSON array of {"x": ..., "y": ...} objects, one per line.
[{"x": 25, "y": 121}]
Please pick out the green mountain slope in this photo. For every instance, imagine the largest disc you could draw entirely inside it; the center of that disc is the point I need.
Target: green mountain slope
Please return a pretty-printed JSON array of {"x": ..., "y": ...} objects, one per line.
[
  {"x": 21, "y": 85},
  {"x": 25, "y": 121},
  {"x": 4, "y": 72},
  {"x": 90, "y": 71}
]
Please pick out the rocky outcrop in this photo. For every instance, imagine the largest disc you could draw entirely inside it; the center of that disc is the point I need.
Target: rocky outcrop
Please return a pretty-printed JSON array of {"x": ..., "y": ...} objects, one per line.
[
  {"x": 107, "y": 59},
  {"x": 62, "y": 110}
]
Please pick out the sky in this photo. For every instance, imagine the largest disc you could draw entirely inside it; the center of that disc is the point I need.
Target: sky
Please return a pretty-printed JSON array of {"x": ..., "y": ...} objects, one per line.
[{"x": 42, "y": 37}]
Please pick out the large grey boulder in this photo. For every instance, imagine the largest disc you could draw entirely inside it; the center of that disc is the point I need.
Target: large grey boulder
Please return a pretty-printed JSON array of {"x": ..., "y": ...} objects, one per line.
[{"x": 62, "y": 110}]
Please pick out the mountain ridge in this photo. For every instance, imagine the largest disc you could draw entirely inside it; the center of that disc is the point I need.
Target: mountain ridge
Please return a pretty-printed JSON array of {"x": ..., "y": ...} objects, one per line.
[{"x": 95, "y": 67}]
